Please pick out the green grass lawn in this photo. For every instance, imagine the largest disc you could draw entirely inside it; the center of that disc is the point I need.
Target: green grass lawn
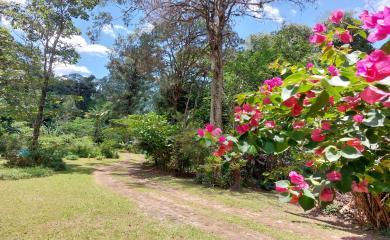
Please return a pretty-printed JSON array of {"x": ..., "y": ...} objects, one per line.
[{"x": 69, "y": 205}]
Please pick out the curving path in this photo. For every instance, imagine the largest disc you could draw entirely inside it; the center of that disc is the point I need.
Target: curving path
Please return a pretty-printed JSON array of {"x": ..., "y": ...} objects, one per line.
[{"x": 165, "y": 202}]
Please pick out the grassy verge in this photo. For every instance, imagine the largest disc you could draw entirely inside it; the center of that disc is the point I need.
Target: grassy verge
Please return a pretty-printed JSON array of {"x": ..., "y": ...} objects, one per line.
[
  {"x": 69, "y": 205},
  {"x": 14, "y": 173}
]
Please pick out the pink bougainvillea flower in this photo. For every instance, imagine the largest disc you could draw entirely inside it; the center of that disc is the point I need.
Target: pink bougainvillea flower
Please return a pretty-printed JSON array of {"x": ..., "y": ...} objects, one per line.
[
  {"x": 237, "y": 109},
  {"x": 319, "y": 28},
  {"x": 200, "y": 132},
  {"x": 353, "y": 101},
  {"x": 274, "y": 82},
  {"x": 330, "y": 44},
  {"x": 290, "y": 102},
  {"x": 253, "y": 122},
  {"x": 319, "y": 151},
  {"x": 333, "y": 71},
  {"x": 222, "y": 139},
  {"x": 370, "y": 21},
  {"x": 360, "y": 187},
  {"x": 334, "y": 176},
  {"x": 298, "y": 124},
  {"x": 223, "y": 149},
  {"x": 325, "y": 125},
  {"x": 309, "y": 164},
  {"x": 209, "y": 127},
  {"x": 372, "y": 95},
  {"x": 267, "y": 100},
  {"x": 309, "y": 65},
  {"x": 296, "y": 110},
  {"x": 326, "y": 195},
  {"x": 216, "y": 132},
  {"x": 343, "y": 107},
  {"x": 242, "y": 129},
  {"x": 358, "y": 118},
  {"x": 336, "y": 16},
  {"x": 356, "y": 144},
  {"x": 331, "y": 100},
  {"x": 296, "y": 178},
  {"x": 345, "y": 37},
  {"x": 270, "y": 124},
  {"x": 280, "y": 189},
  {"x": 294, "y": 199},
  {"x": 317, "y": 135},
  {"x": 300, "y": 186},
  {"x": 374, "y": 67},
  {"x": 317, "y": 38},
  {"x": 310, "y": 94},
  {"x": 247, "y": 108}
]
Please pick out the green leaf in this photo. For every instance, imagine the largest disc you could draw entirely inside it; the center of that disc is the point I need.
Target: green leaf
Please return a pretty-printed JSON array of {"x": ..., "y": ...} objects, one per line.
[
  {"x": 362, "y": 33},
  {"x": 321, "y": 101},
  {"x": 269, "y": 147},
  {"x": 294, "y": 78},
  {"x": 307, "y": 200},
  {"x": 331, "y": 90},
  {"x": 332, "y": 153},
  {"x": 350, "y": 153},
  {"x": 297, "y": 135},
  {"x": 288, "y": 92},
  {"x": 375, "y": 118}
]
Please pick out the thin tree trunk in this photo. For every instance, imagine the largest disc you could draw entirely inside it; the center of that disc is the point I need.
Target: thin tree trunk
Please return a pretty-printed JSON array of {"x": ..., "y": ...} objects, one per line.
[
  {"x": 49, "y": 55},
  {"x": 39, "y": 118},
  {"x": 217, "y": 90}
]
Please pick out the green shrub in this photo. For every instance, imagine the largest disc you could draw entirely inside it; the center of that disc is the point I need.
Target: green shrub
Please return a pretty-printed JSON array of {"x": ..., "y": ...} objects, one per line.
[
  {"x": 108, "y": 150},
  {"x": 83, "y": 147},
  {"x": 72, "y": 157},
  {"x": 187, "y": 154},
  {"x": 80, "y": 127},
  {"x": 214, "y": 173},
  {"x": 153, "y": 134},
  {"x": 22, "y": 173}
]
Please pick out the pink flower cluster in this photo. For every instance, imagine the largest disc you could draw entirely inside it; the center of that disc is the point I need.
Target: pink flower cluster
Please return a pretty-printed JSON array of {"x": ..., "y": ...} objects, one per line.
[
  {"x": 293, "y": 104},
  {"x": 246, "y": 112},
  {"x": 372, "y": 95},
  {"x": 272, "y": 83},
  {"x": 374, "y": 67},
  {"x": 224, "y": 147},
  {"x": 379, "y": 22},
  {"x": 209, "y": 128}
]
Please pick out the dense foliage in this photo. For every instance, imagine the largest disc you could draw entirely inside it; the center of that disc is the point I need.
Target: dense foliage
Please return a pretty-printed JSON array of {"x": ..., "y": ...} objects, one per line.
[{"x": 334, "y": 111}]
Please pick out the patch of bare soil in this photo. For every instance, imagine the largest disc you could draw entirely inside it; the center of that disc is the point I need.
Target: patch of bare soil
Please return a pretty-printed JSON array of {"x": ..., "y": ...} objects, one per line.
[{"x": 169, "y": 203}]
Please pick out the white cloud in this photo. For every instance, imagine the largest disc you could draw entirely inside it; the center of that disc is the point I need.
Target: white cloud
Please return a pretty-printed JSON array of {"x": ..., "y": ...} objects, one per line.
[
  {"x": 114, "y": 30},
  {"x": 376, "y": 5},
  {"x": 109, "y": 30},
  {"x": 61, "y": 69},
  {"x": 82, "y": 46},
  {"x": 272, "y": 13},
  {"x": 267, "y": 11},
  {"x": 294, "y": 12}
]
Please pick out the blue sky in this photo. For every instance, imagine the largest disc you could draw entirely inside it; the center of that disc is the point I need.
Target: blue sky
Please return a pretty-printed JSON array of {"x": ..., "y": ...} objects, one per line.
[{"x": 94, "y": 57}]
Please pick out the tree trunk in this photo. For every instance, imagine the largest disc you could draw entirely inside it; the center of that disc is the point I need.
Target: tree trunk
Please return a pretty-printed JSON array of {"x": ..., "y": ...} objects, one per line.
[
  {"x": 39, "y": 119},
  {"x": 372, "y": 209},
  {"x": 217, "y": 91},
  {"x": 236, "y": 179}
]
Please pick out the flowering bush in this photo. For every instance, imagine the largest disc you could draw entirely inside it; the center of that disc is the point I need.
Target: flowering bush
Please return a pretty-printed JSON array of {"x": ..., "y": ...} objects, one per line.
[{"x": 334, "y": 110}]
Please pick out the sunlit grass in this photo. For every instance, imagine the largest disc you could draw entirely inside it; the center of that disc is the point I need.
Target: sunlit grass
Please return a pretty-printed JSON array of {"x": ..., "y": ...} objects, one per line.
[{"x": 69, "y": 205}]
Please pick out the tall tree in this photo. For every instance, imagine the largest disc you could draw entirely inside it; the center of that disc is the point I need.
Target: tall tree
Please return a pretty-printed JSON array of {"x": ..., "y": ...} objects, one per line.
[
  {"x": 48, "y": 25},
  {"x": 217, "y": 16}
]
